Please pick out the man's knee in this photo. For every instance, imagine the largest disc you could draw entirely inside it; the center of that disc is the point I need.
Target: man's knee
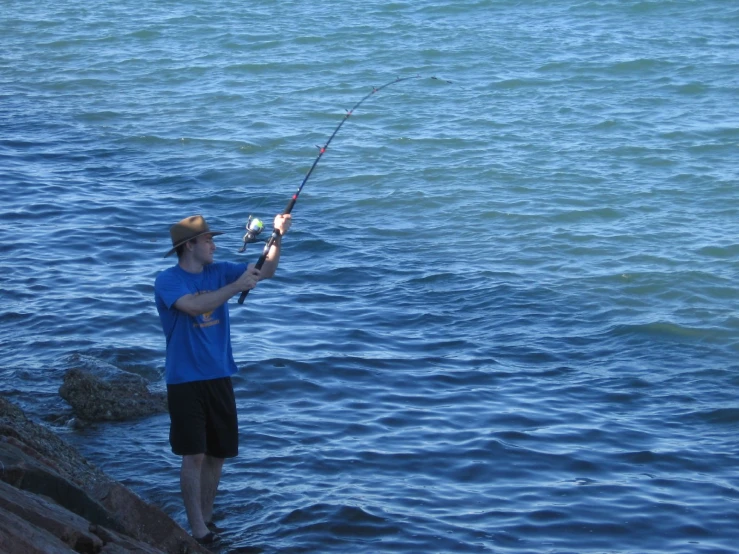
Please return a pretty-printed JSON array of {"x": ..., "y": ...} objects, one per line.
[
  {"x": 193, "y": 461},
  {"x": 213, "y": 461}
]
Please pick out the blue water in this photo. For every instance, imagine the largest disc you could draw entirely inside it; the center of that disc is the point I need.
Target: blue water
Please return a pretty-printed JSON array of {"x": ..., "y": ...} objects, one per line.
[{"x": 506, "y": 318}]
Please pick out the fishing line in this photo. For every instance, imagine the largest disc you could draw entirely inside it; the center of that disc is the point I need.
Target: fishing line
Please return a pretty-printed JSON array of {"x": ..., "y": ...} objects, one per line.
[{"x": 254, "y": 226}]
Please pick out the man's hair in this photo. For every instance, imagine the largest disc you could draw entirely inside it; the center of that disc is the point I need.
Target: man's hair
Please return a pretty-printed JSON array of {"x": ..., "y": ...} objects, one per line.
[{"x": 180, "y": 250}]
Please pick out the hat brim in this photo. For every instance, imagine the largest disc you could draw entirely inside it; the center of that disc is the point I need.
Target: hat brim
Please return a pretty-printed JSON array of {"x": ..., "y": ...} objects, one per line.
[{"x": 176, "y": 246}]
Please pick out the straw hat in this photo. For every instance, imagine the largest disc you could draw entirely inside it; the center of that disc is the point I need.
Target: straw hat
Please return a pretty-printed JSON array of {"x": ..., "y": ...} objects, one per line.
[{"x": 189, "y": 228}]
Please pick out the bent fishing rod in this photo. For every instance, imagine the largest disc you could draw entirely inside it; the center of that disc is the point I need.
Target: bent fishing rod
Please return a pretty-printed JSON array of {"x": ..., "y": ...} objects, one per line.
[{"x": 254, "y": 226}]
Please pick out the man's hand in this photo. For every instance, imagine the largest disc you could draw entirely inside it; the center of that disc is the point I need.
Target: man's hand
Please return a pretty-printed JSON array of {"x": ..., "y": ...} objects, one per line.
[
  {"x": 282, "y": 223},
  {"x": 248, "y": 279}
]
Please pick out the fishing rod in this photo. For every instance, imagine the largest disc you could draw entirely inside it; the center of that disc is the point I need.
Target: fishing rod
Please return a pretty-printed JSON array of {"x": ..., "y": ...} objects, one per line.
[{"x": 254, "y": 226}]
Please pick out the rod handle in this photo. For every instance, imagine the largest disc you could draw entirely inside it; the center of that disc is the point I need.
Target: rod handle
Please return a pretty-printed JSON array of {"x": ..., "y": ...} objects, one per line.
[{"x": 259, "y": 264}]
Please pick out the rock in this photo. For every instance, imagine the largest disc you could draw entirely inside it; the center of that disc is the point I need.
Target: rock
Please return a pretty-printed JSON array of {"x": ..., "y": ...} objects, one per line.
[
  {"x": 43, "y": 523},
  {"x": 20, "y": 537},
  {"x": 29, "y": 471},
  {"x": 118, "y": 397},
  {"x": 53, "y": 500}
]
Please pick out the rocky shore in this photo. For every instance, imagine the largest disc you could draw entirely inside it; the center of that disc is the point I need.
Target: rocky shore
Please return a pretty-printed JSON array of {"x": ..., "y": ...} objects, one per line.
[{"x": 52, "y": 500}]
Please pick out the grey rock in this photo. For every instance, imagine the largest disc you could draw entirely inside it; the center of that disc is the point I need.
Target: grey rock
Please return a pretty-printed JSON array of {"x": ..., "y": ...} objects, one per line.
[{"x": 119, "y": 397}]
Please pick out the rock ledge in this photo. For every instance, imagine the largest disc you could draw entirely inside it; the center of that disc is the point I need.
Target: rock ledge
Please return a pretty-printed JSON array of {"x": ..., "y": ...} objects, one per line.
[{"x": 53, "y": 500}]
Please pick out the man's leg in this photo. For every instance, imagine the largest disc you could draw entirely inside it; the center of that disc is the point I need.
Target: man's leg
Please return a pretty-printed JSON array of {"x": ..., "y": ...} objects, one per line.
[
  {"x": 191, "y": 485},
  {"x": 210, "y": 476}
]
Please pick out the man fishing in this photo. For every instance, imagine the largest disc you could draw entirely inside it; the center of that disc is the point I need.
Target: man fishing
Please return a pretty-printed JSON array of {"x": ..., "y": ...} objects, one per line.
[{"x": 192, "y": 301}]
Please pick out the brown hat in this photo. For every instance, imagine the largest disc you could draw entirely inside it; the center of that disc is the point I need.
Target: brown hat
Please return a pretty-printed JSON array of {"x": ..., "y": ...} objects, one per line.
[{"x": 188, "y": 229}]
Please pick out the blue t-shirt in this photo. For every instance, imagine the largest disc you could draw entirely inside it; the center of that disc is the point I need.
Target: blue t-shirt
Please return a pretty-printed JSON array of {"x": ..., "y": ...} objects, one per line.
[{"x": 198, "y": 348}]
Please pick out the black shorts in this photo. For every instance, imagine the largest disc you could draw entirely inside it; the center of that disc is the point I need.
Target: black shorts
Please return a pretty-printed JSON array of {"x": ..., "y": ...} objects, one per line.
[{"x": 203, "y": 418}]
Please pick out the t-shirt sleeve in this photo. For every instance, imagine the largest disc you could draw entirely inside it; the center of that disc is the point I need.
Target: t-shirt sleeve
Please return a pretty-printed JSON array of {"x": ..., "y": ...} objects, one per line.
[{"x": 170, "y": 288}]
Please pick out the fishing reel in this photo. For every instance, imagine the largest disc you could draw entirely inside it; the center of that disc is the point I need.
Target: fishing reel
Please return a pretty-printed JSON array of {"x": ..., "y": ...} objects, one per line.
[{"x": 254, "y": 226}]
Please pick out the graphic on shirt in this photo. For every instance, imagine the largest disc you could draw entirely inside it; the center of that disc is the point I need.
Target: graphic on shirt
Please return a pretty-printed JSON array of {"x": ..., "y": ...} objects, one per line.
[{"x": 206, "y": 319}]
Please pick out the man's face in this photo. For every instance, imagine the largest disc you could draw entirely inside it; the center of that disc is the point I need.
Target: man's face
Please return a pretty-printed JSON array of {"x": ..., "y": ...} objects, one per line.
[{"x": 204, "y": 248}]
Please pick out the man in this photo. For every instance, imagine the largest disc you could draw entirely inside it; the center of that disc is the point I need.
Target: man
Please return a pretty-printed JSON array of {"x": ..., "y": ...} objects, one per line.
[{"x": 191, "y": 299}]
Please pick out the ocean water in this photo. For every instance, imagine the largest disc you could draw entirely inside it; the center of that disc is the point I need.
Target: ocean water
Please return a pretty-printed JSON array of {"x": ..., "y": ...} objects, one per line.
[{"x": 506, "y": 317}]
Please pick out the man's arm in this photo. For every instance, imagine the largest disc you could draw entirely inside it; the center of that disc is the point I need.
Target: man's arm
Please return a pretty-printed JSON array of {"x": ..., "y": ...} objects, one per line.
[
  {"x": 269, "y": 267},
  {"x": 282, "y": 224},
  {"x": 198, "y": 304}
]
